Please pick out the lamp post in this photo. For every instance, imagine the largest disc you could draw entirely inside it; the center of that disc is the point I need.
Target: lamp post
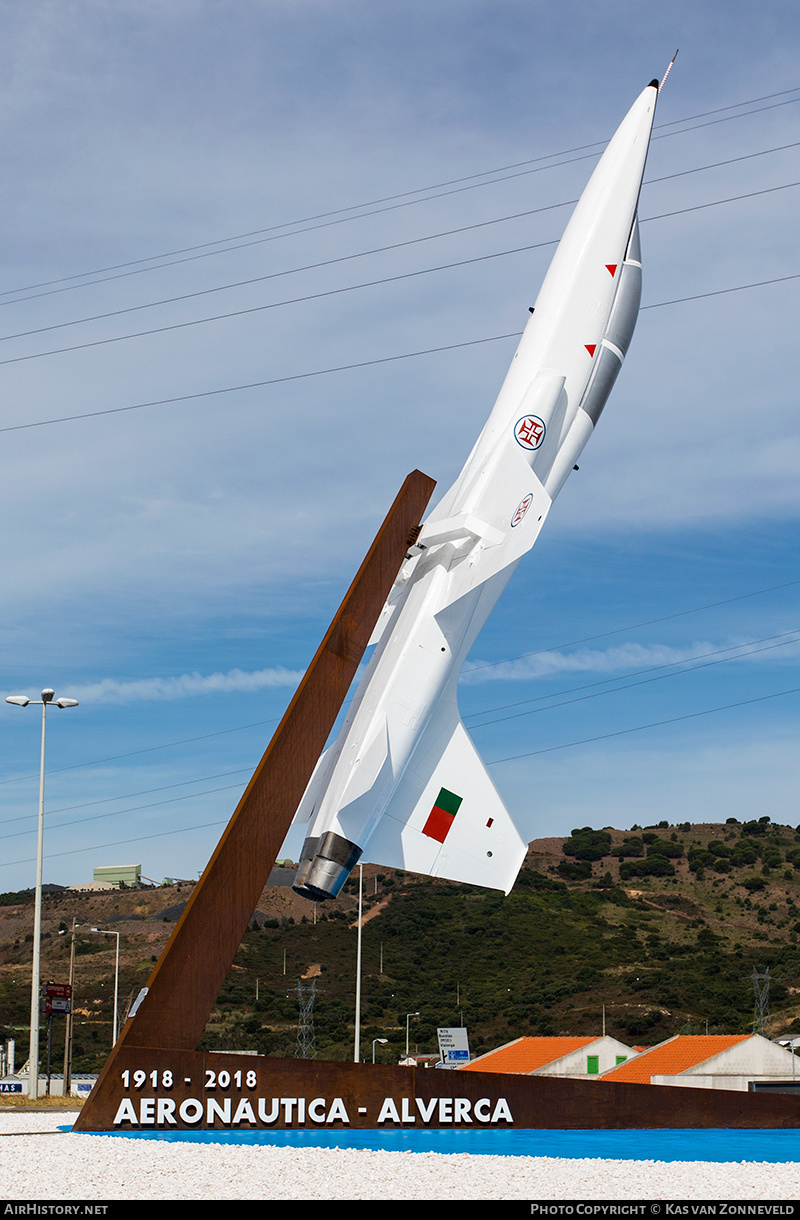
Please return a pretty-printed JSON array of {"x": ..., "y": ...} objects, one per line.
[
  {"x": 357, "y": 1048},
  {"x": 382, "y": 1041},
  {"x": 48, "y": 696},
  {"x": 68, "y": 1031},
  {"x": 102, "y": 932},
  {"x": 409, "y": 1015},
  {"x": 68, "y": 1027}
]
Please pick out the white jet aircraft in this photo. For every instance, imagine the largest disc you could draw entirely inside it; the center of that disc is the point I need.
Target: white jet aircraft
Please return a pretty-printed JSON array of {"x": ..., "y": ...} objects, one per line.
[{"x": 403, "y": 784}]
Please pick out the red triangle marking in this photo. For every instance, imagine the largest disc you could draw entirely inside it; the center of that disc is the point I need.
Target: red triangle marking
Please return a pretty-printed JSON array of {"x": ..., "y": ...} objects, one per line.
[
  {"x": 611, "y": 268},
  {"x": 591, "y": 348}
]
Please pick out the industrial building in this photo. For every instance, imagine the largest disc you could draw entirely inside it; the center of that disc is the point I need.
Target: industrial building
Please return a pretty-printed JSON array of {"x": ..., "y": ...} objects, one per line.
[
  {"x": 112, "y": 877},
  {"x": 121, "y": 876}
]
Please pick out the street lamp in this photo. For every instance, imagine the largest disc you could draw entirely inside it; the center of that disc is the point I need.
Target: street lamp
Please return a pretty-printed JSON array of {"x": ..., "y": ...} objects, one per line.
[
  {"x": 382, "y": 1041},
  {"x": 68, "y": 1032},
  {"x": 67, "y": 1087},
  {"x": 409, "y": 1015},
  {"x": 48, "y": 696},
  {"x": 357, "y": 1048},
  {"x": 102, "y": 932}
]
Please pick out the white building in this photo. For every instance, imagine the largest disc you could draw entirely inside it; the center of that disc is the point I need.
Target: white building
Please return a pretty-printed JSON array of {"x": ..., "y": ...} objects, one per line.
[
  {"x": 583, "y": 1058},
  {"x": 708, "y": 1061}
]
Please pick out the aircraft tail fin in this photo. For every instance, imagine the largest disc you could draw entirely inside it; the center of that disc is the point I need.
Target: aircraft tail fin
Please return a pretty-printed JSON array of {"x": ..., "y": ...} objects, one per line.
[{"x": 446, "y": 818}]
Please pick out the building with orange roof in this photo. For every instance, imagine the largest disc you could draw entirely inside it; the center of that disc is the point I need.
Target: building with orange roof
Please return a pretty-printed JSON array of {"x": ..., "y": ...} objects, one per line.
[
  {"x": 708, "y": 1061},
  {"x": 582, "y": 1058}
]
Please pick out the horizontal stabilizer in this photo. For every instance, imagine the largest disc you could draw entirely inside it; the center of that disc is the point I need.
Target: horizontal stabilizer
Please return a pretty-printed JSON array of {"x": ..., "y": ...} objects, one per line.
[{"x": 446, "y": 819}]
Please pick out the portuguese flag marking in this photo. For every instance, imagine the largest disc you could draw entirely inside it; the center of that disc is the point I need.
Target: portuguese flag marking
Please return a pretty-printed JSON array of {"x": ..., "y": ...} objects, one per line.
[{"x": 441, "y": 817}]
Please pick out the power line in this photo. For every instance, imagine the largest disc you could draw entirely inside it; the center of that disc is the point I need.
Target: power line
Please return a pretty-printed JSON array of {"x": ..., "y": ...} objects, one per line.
[
  {"x": 344, "y": 368},
  {"x": 720, "y": 109},
  {"x": 76, "y": 851},
  {"x": 332, "y": 292},
  {"x": 719, "y": 164},
  {"x": 106, "y": 800},
  {"x": 651, "y": 622},
  {"x": 330, "y": 262},
  {"x": 639, "y": 728},
  {"x": 254, "y": 385},
  {"x": 401, "y": 245},
  {"x": 720, "y": 292},
  {"x": 657, "y": 305},
  {"x": 494, "y": 763},
  {"x": 239, "y": 313},
  {"x": 737, "y": 648},
  {"x": 588, "y": 639},
  {"x": 630, "y": 685},
  {"x": 323, "y": 216},
  {"x": 118, "y": 813},
  {"x": 168, "y": 745},
  {"x": 652, "y": 669}
]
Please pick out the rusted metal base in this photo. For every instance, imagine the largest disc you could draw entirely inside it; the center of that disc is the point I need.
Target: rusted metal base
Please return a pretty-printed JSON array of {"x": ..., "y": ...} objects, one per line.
[
  {"x": 187, "y": 979},
  {"x": 176, "y": 1090}
]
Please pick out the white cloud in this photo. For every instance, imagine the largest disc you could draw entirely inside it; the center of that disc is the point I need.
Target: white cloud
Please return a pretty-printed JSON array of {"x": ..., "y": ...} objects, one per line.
[
  {"x": 186, "y": 686},
  {"x": 627, "y": 657}
]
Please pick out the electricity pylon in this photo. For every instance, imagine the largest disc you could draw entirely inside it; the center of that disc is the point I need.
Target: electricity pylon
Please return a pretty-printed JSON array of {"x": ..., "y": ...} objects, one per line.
[{"x": 306, "y": 1045}]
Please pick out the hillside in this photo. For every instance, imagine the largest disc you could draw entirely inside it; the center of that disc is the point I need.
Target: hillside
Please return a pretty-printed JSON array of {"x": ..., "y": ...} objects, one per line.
[{"x": 662, "y": 926}]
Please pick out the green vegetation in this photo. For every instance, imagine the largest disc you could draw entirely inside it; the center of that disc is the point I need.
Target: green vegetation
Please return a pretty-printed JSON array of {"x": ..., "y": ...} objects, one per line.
[
  {"x": 661, "y": 926},
  {"x": 568, "y": 940}
]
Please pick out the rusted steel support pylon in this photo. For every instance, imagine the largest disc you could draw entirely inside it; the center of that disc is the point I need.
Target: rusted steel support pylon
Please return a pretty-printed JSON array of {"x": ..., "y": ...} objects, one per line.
[{"x": 187, "y": 979}]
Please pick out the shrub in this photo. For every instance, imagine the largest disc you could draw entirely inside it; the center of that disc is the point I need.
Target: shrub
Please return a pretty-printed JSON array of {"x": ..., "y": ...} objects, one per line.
[
  {"x": 666, "y": 848},
  {"x": 587, "y": 844},
  {"x": 630, "y": 848},
  {"x": 653, "y": 866},
  {"x": 580, "y": 870}
]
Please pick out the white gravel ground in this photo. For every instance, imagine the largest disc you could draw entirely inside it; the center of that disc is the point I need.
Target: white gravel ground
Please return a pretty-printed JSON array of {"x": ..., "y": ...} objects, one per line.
[{"x": 38, "y": 1162}]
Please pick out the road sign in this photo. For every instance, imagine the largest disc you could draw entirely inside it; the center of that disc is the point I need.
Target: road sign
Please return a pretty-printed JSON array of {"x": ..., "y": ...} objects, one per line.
[
  {"x": 62, "y": 990},
  {"x": 453, "y": 1046}
]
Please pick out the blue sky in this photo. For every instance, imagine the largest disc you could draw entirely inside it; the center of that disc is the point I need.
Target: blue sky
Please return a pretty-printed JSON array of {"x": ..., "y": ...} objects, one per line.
[{"x": 173, "y": 566}]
